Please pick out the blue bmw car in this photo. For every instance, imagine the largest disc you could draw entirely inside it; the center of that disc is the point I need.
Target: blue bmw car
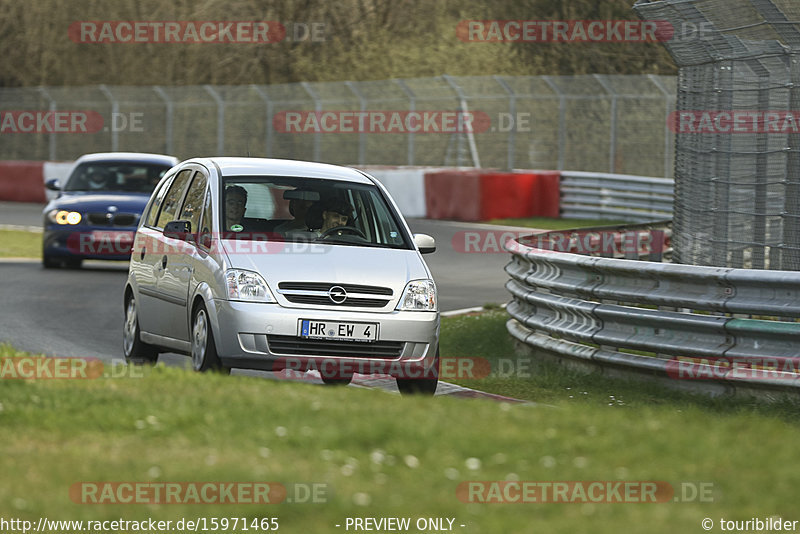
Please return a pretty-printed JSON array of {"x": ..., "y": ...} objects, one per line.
[{"x": 97, "y": 211}]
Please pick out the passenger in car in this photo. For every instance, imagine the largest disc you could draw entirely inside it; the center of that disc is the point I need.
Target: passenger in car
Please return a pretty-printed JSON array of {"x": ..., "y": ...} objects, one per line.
[
  {"x": 299, "y": 209},
  {"x": 235, "y": 206}
]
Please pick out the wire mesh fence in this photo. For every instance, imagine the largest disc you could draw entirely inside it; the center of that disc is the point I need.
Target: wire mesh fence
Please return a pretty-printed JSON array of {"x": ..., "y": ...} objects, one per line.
[
  {"x": 737, "y": 166},
  {"x": 592, "y": 123}
]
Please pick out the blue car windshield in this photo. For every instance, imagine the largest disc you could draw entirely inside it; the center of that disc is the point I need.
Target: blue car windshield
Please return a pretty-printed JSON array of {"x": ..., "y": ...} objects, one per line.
[{"x": 116, "y": 176}]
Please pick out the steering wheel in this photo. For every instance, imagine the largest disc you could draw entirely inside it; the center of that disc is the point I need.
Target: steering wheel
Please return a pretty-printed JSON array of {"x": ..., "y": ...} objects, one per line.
[{"x": 349, "y": 229}]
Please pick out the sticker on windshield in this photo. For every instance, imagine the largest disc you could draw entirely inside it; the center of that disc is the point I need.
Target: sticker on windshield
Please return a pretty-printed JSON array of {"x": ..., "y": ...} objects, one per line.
[{"x": 237, "y": 228}]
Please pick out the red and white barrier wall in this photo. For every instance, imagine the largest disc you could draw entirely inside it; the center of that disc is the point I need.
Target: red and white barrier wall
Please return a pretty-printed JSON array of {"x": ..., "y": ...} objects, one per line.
[
  {"x": 431, "y": 192},
  {"x": 471, "y": 194}
]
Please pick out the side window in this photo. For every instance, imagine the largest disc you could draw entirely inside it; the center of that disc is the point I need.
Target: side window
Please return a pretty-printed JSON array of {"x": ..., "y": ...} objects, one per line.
[
  {"x": 193, "y": 205},
  {"x": 151, "y": 215},
  {"x": 205, "y": 223},
  {"x": 172, "y": 199}
]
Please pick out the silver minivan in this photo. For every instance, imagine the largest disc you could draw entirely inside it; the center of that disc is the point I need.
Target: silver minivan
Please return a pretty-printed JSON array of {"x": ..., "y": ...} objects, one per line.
[{"x": 282, "y": 265}]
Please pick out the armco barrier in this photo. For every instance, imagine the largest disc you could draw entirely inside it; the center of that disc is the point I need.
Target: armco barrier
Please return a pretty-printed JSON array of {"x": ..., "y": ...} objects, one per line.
[
  {"x": 708, "y": 328},
  {"x": 21, "y": 181},
  {"x": 588, "y": 195}
]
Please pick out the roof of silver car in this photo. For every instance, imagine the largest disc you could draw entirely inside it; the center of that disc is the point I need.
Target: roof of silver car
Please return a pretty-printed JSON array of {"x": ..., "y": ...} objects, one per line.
[{"x": 230, "y": 166}]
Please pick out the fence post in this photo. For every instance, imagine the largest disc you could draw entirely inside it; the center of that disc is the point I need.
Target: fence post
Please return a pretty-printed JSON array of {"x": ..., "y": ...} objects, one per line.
[
  {"x": 268, "y": 126},
  {"x": 362, "y": 138},
  {"x": 473, "y": 148},
  {"x": 612, "y": 143},
  {"x": 114, "y": 113},
  {"x": 562, "y": 121},
  {"x": 51, "y": 139},
  {"x": 512, "y": 109},
  {"x": 318, "y": 110},
  {"x": 220, "y": 119},
  {"x": 668, "y": 108},
  {"x": 169, "y": 119},
  {"x": 412, "y": 106}
]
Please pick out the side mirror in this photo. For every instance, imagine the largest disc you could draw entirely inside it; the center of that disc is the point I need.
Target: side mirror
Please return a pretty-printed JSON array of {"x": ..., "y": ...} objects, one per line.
[
  {"x": 178, "y": 230},
  {"x": 52, "y": 184},
  {"x": 425, "y": 243}
]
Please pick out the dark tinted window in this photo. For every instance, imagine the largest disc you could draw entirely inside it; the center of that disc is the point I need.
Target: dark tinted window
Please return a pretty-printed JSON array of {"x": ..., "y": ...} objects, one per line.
[{"x": 116, "y": 176}]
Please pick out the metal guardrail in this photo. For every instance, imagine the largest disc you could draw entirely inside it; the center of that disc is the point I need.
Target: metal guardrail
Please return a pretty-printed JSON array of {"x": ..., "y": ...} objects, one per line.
[
  {"x": 591, "y": 195},
  {"x": 737, "y": 327}
]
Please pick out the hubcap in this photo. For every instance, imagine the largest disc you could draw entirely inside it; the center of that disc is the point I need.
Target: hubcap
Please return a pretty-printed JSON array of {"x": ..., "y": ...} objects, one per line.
[
  {"x": 199, "y": 339},
  {"x": 129, "y": 336}
]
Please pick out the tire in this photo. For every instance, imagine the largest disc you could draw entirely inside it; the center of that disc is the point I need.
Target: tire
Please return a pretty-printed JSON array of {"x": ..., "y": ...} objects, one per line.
[
  {"x": 136, "y": 351},
  {"x": 72, "y": 263},
  {"x": 49, "y": 263},
  {"x": 341, "y": 381},
  {"x": 421, "y": 386},
  {"x": 204, "y": 350}
]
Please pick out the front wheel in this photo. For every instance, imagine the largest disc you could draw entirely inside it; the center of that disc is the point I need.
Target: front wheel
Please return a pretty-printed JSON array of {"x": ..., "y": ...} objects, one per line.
[
  {"x": 136, "y": 351},
  {"x": 421, "y": 386},
  {"x": 204, "y": 351}
]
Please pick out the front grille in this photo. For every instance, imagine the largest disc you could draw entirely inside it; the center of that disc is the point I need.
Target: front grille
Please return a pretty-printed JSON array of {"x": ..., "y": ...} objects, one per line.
[
  {"x": 316, "y": 293},
  {"x": 298, "y": 346},
  {"x": 112, "y": 219},
  {"x": 325, "y": 286}
]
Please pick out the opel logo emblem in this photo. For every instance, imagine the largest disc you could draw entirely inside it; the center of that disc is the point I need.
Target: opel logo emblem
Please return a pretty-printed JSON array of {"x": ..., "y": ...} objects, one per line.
[{"x": 337, "y": 294}]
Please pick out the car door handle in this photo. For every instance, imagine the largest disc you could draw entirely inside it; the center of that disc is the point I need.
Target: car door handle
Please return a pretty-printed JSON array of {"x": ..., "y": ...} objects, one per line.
[
  {"x": 164, "y": 262},
  {"x": 144, "y": 251}
]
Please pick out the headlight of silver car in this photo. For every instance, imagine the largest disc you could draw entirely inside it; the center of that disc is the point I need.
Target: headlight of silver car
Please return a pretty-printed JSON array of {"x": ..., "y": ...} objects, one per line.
[
  {"x": 248, "y": 286},
  {"x": 419, "y": 295}
]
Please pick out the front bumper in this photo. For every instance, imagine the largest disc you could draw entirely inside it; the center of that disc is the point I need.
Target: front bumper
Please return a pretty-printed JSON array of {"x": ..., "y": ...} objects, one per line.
[
  {"x": 80, "y": 242},
  {"x": 244, "y": 330}
]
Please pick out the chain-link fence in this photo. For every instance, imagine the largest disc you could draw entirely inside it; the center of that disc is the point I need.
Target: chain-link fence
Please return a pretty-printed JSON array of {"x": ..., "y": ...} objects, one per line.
[
  {"x": 737, "y": 170},
  {"x": 590, "y": 123}
]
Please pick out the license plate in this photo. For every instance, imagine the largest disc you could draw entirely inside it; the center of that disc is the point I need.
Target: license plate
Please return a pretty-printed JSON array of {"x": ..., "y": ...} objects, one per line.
[
  {"x": 338, "y": 330},
  {"x": 113, "y": 236}
]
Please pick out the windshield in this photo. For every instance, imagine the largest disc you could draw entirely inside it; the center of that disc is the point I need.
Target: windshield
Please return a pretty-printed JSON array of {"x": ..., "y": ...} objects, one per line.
[
  {"x": 116, "y": 176},
  {"x": 306, "y": 209}
]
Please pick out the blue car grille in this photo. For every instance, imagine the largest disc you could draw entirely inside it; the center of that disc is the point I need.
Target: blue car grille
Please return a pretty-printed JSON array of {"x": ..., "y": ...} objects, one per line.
[{"x": 112, "y": 219}]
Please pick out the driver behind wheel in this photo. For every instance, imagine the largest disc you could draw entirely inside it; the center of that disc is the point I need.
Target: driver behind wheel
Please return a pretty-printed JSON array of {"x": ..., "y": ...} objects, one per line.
[{"x": 335, "y": 213}]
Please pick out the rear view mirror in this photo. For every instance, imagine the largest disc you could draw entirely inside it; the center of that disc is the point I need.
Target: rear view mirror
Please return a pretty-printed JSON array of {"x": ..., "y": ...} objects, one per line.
[
  {"x": 425, "y": 243},
  {"x": 52, "y": 184}
]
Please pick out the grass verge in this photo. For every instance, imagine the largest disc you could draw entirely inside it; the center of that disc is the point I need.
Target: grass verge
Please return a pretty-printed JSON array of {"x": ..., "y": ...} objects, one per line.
[
  {"x": 379, "y": 455},
  {"x": 20, "y": 244}
]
